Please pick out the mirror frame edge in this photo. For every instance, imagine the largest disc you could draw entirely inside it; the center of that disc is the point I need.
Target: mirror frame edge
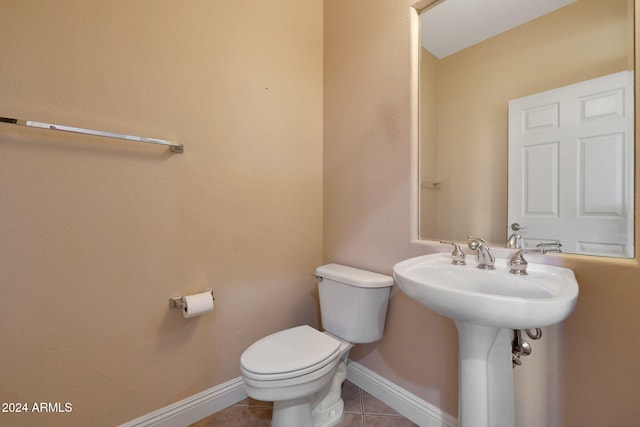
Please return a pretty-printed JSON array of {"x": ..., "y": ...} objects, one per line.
[
  {"x": 414, "y": 134},
  {"x": 636, "y": 130},
  {"x": 414, "y": 131}
]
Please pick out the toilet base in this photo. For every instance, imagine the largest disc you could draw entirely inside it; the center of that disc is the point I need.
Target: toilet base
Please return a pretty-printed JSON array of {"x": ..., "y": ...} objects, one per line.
[
  {"x": 292, "y": 413},
  {"x": 328, "y": 411},
  {"x": 324, "y": 409}
]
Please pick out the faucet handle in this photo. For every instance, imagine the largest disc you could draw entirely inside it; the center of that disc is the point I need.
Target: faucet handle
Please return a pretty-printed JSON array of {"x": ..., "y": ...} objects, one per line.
[
  {"x": 517, "y": 263},
  {"x": 457, "y": 256}
]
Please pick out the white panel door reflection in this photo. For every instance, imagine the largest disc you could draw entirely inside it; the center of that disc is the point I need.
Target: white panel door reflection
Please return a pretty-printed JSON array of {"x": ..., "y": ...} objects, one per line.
[{"x": 570, "y": 166}]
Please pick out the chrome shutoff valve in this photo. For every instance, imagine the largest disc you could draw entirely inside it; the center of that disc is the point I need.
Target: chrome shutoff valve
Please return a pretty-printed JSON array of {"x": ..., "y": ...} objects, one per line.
[{"x": 520, "y": 347}]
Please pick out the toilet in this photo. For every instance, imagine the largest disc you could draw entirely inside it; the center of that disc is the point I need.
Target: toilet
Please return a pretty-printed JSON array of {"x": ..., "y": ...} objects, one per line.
[{"x": 301, "y": 369}]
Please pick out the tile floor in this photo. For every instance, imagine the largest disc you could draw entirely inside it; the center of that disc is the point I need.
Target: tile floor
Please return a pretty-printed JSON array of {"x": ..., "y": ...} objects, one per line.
[{"x": 360, "y": 410}]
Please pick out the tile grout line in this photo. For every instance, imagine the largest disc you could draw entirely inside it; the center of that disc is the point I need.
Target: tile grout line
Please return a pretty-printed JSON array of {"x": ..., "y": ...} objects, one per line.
[{"x": 362, "y": 417}]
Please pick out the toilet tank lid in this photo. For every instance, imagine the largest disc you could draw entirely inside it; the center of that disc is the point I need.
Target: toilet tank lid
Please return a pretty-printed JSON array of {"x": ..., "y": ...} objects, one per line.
[{"x": 354, "y": 276}]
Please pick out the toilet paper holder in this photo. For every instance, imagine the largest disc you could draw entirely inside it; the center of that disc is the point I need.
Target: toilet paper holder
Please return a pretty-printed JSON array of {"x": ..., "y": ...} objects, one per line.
[{"x": 178, "y": 302}]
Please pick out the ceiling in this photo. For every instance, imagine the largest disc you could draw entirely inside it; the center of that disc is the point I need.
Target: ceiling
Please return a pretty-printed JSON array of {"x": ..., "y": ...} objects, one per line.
[{"x": 453, "y": 25}]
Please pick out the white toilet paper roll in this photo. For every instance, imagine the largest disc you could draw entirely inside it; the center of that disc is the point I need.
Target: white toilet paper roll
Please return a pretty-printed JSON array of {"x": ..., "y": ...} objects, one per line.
[{"x": 195, "y": 305}]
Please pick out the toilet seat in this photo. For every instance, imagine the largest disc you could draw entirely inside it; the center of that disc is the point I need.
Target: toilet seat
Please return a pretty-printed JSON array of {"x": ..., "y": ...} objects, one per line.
[{"x": 290, "y": 353}]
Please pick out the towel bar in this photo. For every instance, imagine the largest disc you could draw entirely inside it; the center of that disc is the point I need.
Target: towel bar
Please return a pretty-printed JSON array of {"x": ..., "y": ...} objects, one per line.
[{"x": 175, "y": 146}]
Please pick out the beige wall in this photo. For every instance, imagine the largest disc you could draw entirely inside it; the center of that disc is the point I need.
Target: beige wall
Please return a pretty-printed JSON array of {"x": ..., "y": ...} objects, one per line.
[
  {"x": 97, "y": 235},
  {"x": 584, "y": 40},
  {"x": 367, "y": 121},
  {"x": 591, "y": 373}
]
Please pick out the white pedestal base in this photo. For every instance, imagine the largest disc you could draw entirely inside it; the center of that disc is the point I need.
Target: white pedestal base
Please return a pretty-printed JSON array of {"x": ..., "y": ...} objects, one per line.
[{"x": 485, "y": 396}]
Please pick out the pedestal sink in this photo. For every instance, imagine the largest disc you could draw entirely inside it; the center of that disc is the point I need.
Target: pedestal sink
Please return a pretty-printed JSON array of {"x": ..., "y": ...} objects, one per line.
[{"x": 485, "y": 306}]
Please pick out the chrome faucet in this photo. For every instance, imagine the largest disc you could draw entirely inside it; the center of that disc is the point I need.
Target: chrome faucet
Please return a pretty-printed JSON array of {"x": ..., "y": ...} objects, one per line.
[
  {"x": 515, "y": 240},
  {"x": 485, "y": 259},
  {"x": 518, "y": 265}
]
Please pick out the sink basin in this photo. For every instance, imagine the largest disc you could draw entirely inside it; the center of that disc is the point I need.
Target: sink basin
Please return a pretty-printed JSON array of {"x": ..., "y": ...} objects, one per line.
[
  {"x": 485, "y": 305},
  {"x": 495, "y": 298}
]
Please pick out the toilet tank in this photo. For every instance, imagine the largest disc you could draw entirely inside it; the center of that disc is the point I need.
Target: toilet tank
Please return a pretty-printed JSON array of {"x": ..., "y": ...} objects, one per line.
[{"x": 353, "y": 302}]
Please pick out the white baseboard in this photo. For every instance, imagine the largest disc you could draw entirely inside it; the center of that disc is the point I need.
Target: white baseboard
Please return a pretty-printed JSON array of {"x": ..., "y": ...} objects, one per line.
[
  {"x": 407, "y": 404},
  {"x": 193, "y": 408},
  {"x": 203, "y": 404}
]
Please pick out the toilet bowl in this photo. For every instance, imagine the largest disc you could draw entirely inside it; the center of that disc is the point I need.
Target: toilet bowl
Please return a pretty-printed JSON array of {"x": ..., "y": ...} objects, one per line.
[
  {"x": 301, "y": 369},
  {"x": 290, "y": 368}
]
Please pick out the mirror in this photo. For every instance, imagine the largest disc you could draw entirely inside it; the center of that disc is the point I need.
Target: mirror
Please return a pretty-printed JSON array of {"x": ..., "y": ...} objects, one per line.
[{"x": 516, "y": 123}]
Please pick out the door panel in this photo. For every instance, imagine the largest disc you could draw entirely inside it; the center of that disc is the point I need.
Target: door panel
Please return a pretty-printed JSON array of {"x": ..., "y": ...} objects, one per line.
[{"x": 570, "y": 153}]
